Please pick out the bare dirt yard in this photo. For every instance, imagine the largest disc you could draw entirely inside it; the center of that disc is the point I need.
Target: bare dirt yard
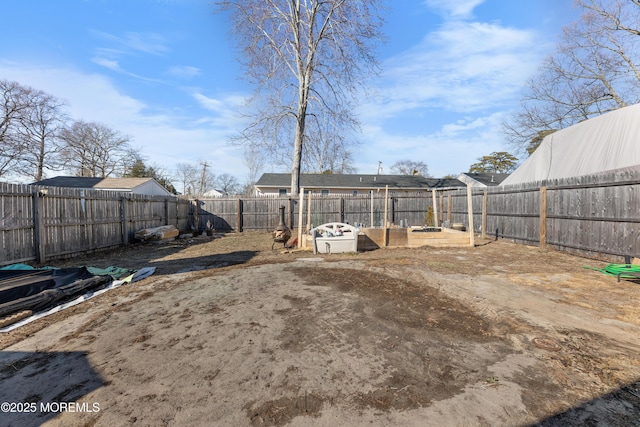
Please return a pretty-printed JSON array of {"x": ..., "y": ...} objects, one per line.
[{"x": 228, "y": 332}]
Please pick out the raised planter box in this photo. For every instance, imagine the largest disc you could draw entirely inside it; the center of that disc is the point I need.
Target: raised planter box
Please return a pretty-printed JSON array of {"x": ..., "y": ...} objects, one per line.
[{"x": 440, "y": 237}]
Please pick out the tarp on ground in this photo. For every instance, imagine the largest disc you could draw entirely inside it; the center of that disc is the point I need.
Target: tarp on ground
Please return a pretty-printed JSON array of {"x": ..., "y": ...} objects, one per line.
[
  {"x": 23, "y": 317},
  {"x": 607, "y": 142},
  {"x": 24, "y": 288}
]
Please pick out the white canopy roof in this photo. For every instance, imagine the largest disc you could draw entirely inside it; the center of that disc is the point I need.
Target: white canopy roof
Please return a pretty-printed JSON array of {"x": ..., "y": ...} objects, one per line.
[{"x": 607, "y": 142}]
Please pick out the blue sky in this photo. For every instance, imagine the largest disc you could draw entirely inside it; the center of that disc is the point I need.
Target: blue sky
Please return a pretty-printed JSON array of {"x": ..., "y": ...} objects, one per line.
[{"x": 163, "y": 72}]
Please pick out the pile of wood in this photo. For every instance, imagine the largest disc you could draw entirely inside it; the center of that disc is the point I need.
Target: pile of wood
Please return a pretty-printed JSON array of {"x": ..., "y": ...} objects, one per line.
[{"x": 157, "y": 233}]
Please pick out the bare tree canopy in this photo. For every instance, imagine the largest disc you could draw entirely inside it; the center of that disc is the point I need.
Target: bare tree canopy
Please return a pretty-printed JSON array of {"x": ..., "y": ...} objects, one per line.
[
  {"x": 39, "y": 131},
  {"x": 410, "y": 167},
  {"x": 15, "y": 103},
  {"x": 227, "y": 184},
  {"x": 95, "y": 150},
  {"x": 496, "y": 162},
  {"x": 594, "y": 70},
  {"x": 309, "y": 60},
  {"x": 195, "y": 179},
  {"x": 326, "y": 152},
  {"x": 255, "y": 161}
]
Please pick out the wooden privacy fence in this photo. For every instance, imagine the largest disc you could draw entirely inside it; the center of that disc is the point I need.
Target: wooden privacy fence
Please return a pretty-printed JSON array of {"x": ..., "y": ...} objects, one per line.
[
  {"x": 597, "y": 214},
  {"x": 39, "y": 223},
  {"x": 261, "y": 213}
]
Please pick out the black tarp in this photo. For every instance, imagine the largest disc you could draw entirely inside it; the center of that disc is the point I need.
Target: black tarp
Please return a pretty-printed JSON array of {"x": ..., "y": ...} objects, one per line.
[{"x": 38, "y": 289}]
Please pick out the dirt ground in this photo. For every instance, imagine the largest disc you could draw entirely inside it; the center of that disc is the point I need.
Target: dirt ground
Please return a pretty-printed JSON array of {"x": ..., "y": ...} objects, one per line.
[{"x": 228, "y": 332}]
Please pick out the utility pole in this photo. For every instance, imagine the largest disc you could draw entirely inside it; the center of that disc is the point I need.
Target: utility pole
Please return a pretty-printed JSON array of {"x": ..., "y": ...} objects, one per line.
[{"x": 204, "y": 171}]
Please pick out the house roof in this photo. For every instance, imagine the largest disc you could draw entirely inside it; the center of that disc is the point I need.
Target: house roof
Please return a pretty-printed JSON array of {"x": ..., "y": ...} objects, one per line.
[
  {"x": 356, "y": 181},
  {"x": 114, "y": 184},
  {"x": 488, "y": 179}
]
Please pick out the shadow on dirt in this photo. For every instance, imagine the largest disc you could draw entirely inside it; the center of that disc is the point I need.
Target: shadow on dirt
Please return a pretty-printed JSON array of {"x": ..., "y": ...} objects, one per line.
[
  {"x": 619, "y": 408},
  {"x": 38, "y": 386},
  {"x": 171, "y": 257},
  {"x": 206, "y": 262}
]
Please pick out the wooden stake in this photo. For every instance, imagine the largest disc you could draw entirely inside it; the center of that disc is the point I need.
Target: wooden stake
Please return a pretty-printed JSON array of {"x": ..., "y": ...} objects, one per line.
[
  {"x": 435, "y": 207},
  {"x": 543, "y": 217},
  {"x": 372, "y": 225},
  {"x": 472, "y": 242},
  {"x": 484, "y": 215},
  {"x": 386, "y": 208},
  {"x": 300, "y": 212}
]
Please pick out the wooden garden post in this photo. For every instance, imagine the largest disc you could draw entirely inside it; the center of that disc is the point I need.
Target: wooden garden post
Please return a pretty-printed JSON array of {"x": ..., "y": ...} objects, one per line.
[
  {"x": 435, "y": 207},
  {"x": 472, "y": 242},
  {"x": 484, "y": 214},
  {"x": 300, "y": 216},
  {"x": 385, "y": 238},
  {"x": 543, "y": 217}
]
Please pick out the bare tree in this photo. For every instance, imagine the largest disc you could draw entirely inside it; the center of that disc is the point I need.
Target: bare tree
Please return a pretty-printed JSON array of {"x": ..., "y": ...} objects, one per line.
[
  {"x": 186, "y": 175},
  {"x": 255, "y": 161},
  {"x": 308, "y": 59},
  {"x": 39, "y": 129},
  {"x": 594, "y": 70},
  {"x": 195, "y": 181},
  {"x": 328, "y": 150},
  {"x": 15, "y": 102},
  {"x": 93, "y": 149},
  {"x": 227, "y": 184},
  {"x": 410, "y": 167}
]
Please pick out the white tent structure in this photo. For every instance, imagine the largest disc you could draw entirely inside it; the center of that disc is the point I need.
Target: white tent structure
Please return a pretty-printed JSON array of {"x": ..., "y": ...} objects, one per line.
[{"x": 607, "y": 142}]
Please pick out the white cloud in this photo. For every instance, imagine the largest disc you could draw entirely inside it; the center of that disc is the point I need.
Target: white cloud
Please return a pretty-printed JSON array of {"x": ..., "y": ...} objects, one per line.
[
  {"x": 150, "y": 43},
  {"x": 454, "y": 8},
  {"x": 448, "y": 150},
  {"x": 443, "y": 101},
  {"x": 226, "y": 110},
  {"x": 184, "y": 71},
  {"x": 107, "y": 63},
  {"x": 461, "y": 67},
  {"x": 165, "y": 137}
]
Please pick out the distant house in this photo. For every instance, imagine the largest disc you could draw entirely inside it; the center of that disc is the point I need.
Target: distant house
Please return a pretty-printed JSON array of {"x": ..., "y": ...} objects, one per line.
[
  {"x": 477, "y": 179},
  {"x": 147, "y": 186},
  {"x": 279, "y": 184},
  {"x": 212, "y": 193}
]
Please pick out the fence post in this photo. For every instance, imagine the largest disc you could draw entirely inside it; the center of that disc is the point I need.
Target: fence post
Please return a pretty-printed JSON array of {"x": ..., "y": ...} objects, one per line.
[
  {"x": 341, "y": 209},
  {"x": 166, "y": 211},
  {"x": 543, "y": 217},
  {"x": 196, "y": 217},
  {"x": 472, "y": 242},
  {"x": 291, "y": 212},
  {"x": 239, "y": 214},
  {"x": 484, "y": 215},
  {"x": 124, "y": 221},
  {"x": 38, "y": 227},
  {"x": 393, "y": 210},
  {"x": 371, "y": 219},
  {"x": 309, "y": 211},
  {"x": 449, "y": 214},
  {"x": 300, "y": 216},
  {"x": 386, "y": 208},
  {"x": 435, "y": 207}
]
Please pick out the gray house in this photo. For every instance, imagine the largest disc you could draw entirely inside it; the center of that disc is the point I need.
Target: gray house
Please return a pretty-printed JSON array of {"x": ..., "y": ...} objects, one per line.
[
  {"x": 279, "y": 184},
  {"x": 148, "y": 186}
]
